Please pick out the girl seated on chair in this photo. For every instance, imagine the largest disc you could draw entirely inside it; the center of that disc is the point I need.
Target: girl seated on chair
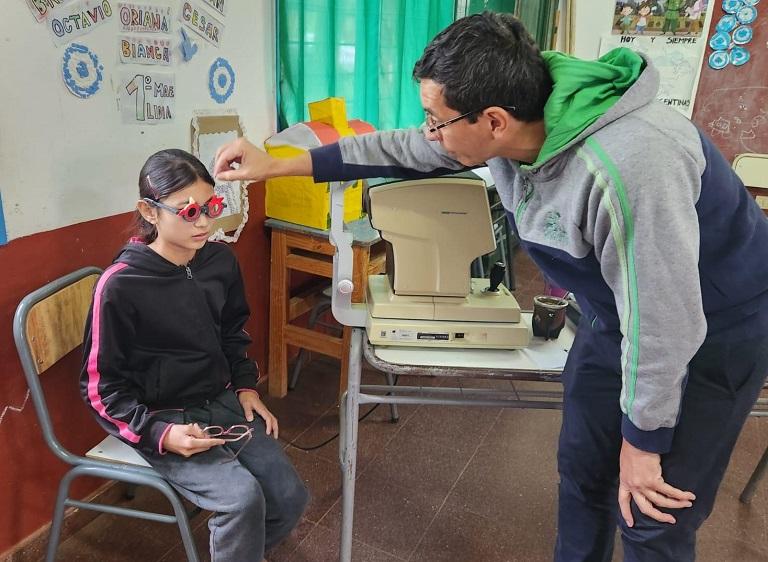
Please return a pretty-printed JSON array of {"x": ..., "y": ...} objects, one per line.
[{"x": 165, "y": 365}]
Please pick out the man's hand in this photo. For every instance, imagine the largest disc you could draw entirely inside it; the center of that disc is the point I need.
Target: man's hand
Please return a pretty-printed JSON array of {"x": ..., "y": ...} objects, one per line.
[
  {"x": 251, "y": 403},
  {"x": 255, "y": 164},
  {"x": 640, "y": 479},
  {"x": 187, "y": 440}
]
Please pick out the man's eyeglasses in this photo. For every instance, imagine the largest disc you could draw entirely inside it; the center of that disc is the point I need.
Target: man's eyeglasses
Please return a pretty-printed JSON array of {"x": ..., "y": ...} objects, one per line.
[
  {"x": 230, "y": 435},
  {"x": 191, "y": 211},
  {"x": 433, "y": 127}
]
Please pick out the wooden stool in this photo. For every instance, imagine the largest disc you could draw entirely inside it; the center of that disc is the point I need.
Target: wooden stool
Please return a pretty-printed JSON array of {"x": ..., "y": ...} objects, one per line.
[{"x": 301, "y": 248}]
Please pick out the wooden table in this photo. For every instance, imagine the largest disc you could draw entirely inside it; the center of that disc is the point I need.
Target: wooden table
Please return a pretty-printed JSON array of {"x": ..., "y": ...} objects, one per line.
[{"x": 301, "y": 248}]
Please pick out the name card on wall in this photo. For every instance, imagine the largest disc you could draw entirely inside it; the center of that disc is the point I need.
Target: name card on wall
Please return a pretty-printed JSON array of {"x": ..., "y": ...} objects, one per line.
[
  {"x": 73, "y": 20},
  {"x": 145, "y": 50},
  {"x": 196, "y": 18},
  {"x": 139, "y": 18},
  {"x": 148, "y": 98}
]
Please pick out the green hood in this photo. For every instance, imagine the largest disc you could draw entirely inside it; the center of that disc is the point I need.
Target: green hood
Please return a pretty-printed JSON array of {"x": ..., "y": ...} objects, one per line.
[{"x": 582, "y": 92}]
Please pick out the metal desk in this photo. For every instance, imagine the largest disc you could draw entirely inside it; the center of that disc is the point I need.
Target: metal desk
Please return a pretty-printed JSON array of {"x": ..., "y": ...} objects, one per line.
[{"x": 541, "y": 361}]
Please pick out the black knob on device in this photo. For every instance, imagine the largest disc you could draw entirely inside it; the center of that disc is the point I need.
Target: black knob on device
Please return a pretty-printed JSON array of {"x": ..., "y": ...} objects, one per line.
[{"x": 497, "y": 275}]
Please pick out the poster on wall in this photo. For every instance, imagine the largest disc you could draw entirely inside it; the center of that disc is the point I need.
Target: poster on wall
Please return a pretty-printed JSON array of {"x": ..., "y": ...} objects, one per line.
[
  {"x": 199, "y": 20},
  {"x": 74, "y": 19},
  {"x": 142, "y": 18},
  {"x": 659, "y": 17},
  {"x": 145, "y": 50},
  {"x": 148, "y": 98},
  {"x": 677, "y": 60}
]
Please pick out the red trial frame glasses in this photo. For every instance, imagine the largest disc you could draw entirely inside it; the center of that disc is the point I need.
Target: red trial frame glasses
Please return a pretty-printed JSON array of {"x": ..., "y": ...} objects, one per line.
[{"x": 192, "y": 210}]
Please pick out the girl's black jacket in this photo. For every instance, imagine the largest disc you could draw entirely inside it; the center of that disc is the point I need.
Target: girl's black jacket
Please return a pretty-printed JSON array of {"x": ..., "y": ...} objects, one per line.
[{"x": 161, "y": 336}]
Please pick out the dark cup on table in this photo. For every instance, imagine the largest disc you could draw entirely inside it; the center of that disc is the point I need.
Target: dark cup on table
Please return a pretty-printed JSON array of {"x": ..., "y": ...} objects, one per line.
[{"x": 548, "y": 316}]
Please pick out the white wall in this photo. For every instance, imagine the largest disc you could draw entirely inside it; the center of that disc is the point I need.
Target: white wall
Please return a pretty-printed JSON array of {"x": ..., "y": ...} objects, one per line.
[
  {"x": 65, "y": 160},
  {"x": 592, "y": 19}
]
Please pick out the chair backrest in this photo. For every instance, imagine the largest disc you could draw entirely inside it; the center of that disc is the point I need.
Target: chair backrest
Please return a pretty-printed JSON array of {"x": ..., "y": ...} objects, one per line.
[
  {"x": 49, "y": 324},
  {"x": 55, "y": 324}
]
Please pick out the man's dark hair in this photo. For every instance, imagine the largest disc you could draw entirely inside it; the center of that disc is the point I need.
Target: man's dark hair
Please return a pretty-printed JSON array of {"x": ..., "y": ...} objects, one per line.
[{"x": 488, "y": 59}]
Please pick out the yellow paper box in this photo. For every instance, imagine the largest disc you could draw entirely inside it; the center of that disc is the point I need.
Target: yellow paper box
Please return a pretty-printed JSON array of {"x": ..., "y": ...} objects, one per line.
[{"x": 298, "y": 199}]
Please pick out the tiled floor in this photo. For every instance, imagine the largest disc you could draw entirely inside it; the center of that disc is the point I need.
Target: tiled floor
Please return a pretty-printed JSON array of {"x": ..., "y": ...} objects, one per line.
[{"x": 443, "y": 484}]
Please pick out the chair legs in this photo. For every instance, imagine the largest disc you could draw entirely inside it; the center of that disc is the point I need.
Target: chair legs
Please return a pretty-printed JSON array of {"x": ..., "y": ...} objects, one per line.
[
  {"x": 757, "y": 475},
  {"x": 58, "y": 516},
  {"x": 180, "y": 516}
]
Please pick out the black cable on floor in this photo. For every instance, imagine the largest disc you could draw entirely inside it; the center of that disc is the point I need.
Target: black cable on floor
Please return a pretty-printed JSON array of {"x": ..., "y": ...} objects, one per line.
[{"x": 324, "y": 443}]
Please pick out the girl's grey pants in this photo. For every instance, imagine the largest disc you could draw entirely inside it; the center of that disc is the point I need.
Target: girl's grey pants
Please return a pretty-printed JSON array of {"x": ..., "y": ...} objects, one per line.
[{"x": 257, "y": 499}]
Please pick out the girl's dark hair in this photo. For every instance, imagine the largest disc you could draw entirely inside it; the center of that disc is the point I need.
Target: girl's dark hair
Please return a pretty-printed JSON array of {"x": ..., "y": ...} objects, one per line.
[
  {"x": 484, "y": 60},
  {"x": 164, "y": 173}
]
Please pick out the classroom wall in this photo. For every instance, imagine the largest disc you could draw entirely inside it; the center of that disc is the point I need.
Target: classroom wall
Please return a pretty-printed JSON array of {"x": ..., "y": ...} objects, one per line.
[
  {"x": 592, "y": 19},
  {"x": 66, "y": 160},
  {"x": 68, "y": 172}
]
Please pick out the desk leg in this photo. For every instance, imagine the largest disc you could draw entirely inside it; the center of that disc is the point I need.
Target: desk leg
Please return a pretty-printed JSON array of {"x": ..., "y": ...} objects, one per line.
[
  {"x": 350, "y": 410},
  {"x": 278, "y": 316},
  {"x": 346, "y": 341}
]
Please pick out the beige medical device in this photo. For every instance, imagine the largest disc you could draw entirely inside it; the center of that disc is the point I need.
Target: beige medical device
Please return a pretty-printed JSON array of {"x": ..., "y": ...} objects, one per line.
[{"x": 435, "y": 229}]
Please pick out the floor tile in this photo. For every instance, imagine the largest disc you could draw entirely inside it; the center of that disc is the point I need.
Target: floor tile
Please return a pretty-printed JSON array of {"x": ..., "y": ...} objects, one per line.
[
  {"x": 322, "y": 545},
  {"x": 323, "y": 479},
  {"x": 387, "y": 516},
  {"x": 460, "y": 535}
]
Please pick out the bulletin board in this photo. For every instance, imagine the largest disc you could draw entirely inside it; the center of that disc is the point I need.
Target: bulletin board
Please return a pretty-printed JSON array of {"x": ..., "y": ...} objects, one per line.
[
  {"x": 732, "y": 103},
  {"x": 74, "y": 132}
]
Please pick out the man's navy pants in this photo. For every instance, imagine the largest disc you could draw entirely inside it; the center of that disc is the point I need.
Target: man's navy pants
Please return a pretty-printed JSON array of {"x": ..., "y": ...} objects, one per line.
[{"x": 724, "y": 380}]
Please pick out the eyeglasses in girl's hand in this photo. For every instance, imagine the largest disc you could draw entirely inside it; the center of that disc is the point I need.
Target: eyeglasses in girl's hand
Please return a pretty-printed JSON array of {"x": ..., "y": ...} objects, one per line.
[{"x": 230, "y": 435}]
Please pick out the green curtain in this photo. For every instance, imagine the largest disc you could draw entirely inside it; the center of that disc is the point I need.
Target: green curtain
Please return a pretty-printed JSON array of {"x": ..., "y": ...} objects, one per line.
[{"x": 360, "y": 50}]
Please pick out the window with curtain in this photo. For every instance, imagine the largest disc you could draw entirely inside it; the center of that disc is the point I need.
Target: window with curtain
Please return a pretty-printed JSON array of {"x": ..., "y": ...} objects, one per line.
[
  {"x": 360, "y": 50},
  {"x": 364, "y": 51}
]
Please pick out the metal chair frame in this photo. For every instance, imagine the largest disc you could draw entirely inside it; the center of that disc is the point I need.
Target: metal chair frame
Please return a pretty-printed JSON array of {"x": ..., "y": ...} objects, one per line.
[{"x": 84, "y": 466}]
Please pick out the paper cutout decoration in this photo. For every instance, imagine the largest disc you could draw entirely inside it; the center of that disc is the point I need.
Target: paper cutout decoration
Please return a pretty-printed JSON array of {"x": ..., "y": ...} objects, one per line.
[
  {"x": 729, "y": 49},
  {"x": 718, "y": 60},
  {"x": 742, "y": 35},
  {"x": 221, "y": 80},
  {"x": 739, "y": 56},
  {"x": 720, "y": 41},
  {"x": 81, "y": 71},
  {"x": 188, "y": 47},
  {"x": 747, "y": 14},
  {"x": 727, "y": 23}
]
